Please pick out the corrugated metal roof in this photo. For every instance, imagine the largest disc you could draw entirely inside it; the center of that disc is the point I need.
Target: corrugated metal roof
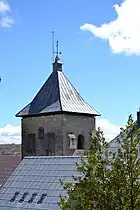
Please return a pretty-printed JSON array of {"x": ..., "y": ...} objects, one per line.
[
  {"x": 57, "y": 95},
  {"x": 37, "y": 176}
]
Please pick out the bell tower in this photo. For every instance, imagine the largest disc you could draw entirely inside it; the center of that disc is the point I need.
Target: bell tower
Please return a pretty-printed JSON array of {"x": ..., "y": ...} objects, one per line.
[{"x": 58, "y": 121}]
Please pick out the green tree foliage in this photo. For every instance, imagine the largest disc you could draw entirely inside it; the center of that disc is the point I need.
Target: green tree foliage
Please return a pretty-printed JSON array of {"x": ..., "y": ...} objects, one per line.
[{"x": 107, "y": 181}]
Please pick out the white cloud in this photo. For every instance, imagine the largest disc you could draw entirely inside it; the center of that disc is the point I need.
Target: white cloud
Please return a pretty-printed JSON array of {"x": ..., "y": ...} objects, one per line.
[
  {"x": 123, "y": 33},
  {"x": 10, "y": 134},
  {"x": 110, "y": 130},
  {"x": 4, "y": 7},
  {"x": 6, "y": 21}
]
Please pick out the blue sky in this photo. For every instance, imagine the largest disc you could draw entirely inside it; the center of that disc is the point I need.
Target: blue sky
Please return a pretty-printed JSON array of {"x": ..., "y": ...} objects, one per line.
[{"x": 104, "y": 70}]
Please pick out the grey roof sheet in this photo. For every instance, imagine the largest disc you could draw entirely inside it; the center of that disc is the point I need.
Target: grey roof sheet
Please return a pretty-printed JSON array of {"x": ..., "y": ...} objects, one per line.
[
  {"x": 57, "y": 95},
  {"x": 38, "y": 175}
]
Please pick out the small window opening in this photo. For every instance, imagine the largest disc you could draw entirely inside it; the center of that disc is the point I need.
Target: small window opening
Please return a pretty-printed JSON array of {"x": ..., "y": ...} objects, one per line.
[
  {"x": 32, "y": 198},
  {"x": 50, "y": 144},
  {"x": 23, "y": 197},
  {"x": 31, "y": 144},
  {"x": 14, "y": 197},
  {"x": 41, "y": 133},
  {"x": 80, "y": 144},
  {"x": 43, "y": 196}
]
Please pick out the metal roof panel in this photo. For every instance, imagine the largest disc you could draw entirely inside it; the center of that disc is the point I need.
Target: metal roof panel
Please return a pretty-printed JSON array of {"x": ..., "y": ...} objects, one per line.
[
  {"x": 71, "y": 100},
  {"x": 38, "y": 175},
  {"x": 57, "y": 95}
]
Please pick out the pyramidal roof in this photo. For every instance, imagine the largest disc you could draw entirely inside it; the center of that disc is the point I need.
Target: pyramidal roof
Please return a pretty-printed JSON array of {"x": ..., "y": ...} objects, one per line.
[{"x": 57, "y": 95}]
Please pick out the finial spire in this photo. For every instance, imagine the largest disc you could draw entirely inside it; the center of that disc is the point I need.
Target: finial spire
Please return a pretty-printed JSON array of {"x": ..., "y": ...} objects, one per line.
[
  {"x": 57, "y": 48},
  {"x": 57, "y": 65},
  {"x": 57, "y": 51},
  {"x": 52, "y": 46}
]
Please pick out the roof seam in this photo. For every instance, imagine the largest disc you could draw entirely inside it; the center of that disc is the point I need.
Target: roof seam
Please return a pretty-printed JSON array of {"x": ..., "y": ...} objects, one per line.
[
  {"x": 57, "y": 95},
  {"x": 59, "y": 91}
]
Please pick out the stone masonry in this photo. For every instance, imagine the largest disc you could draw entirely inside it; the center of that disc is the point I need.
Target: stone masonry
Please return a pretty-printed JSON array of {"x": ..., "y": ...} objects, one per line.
[{"x": 60, "y": 125}]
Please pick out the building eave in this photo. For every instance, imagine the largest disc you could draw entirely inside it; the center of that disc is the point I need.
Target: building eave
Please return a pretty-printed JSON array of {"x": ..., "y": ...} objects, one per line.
[{"x": 58, "y": 113}]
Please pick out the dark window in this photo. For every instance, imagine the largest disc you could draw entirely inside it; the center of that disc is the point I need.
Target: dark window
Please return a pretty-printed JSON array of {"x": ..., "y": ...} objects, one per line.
[
  {"x": 80, "y": 143},
  {"x": 14, "y": 197},
  {"x": 32, "y": 198},
  {"x": 23, "y": 197},
  {"x": 43, "y": 196},
  {"x": 31, "y": 146},
  {"x": 50, "y": 150},
  {"x": 41, "y": 133}
]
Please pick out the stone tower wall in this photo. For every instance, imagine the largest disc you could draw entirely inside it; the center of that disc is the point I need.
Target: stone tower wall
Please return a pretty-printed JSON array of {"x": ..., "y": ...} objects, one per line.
[
  {"x": 60, "y": 126},
  {"x": 51, "y": 124},
  {"x": 77, "y": 125}
]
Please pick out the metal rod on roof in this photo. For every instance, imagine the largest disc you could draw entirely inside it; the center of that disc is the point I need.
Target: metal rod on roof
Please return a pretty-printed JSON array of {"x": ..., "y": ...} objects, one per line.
[
  {"x": 55, "y": 51},
  {"x": 53, "y": 46},
  {"x": 57, "y": 48}
]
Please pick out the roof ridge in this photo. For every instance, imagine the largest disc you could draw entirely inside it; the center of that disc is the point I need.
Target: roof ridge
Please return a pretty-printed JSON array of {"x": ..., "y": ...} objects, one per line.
[{"x": 59, "y": 96}]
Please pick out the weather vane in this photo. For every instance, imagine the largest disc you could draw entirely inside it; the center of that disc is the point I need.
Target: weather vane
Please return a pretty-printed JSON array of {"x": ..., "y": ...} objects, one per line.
[{"x": 57, "y": 47}]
